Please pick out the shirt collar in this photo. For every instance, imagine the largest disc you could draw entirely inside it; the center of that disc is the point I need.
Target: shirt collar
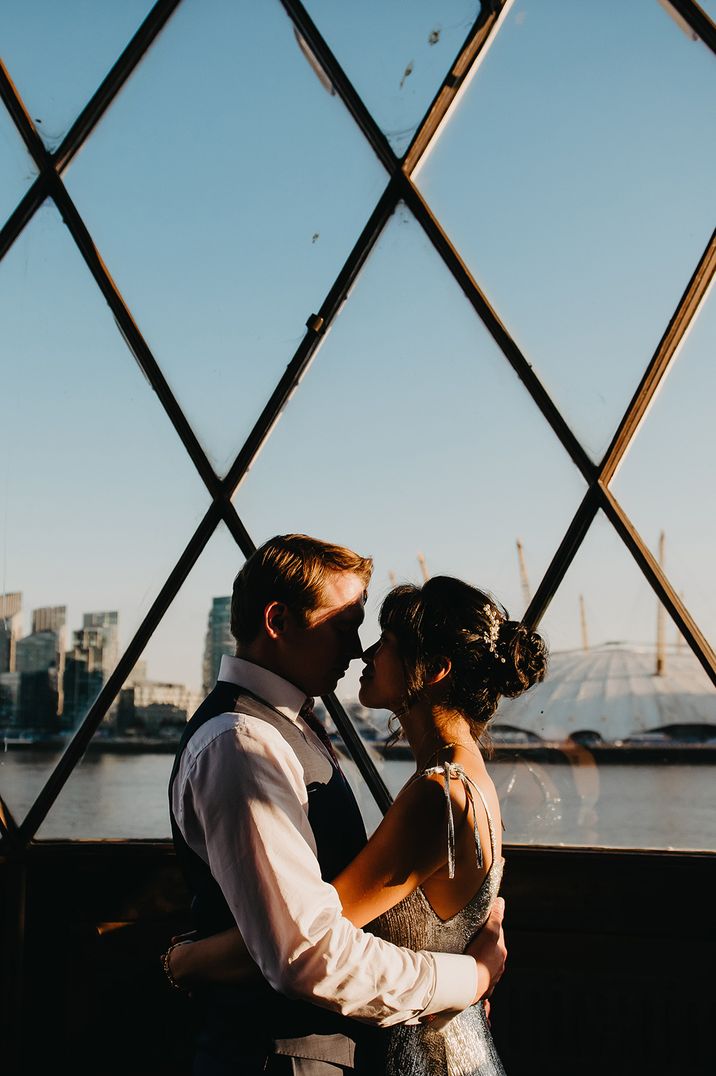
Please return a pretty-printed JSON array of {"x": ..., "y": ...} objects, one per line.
[{"x": 282, "y": 695}]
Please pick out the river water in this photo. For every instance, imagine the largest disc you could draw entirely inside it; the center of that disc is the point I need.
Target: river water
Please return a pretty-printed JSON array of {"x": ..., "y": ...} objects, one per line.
[{"x": 670, "y": 805}]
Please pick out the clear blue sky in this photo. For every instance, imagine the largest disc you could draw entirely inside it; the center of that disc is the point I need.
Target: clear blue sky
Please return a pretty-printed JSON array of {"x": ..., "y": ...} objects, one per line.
[{"x": 224, "y": 189}]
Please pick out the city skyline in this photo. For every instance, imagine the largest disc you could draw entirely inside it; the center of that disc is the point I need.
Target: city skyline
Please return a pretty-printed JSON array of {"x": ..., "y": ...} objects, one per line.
[{"x": 47, "y": 687}]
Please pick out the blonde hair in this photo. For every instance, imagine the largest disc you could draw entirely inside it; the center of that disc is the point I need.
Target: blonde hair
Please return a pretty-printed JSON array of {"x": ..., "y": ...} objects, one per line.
[{"x": 290, "y": 568}]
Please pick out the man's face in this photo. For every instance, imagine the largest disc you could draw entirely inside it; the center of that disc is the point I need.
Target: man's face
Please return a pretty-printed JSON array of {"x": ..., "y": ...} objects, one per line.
[{"x": 317, "y": 654}]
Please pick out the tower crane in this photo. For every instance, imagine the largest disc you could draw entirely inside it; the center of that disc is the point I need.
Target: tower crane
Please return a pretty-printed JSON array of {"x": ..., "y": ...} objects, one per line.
[{"x": 526, "y": 593}]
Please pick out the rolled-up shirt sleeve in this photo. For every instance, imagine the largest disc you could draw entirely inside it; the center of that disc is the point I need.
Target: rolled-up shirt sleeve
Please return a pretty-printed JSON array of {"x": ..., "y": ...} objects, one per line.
[{"x": 241, "y": 803}]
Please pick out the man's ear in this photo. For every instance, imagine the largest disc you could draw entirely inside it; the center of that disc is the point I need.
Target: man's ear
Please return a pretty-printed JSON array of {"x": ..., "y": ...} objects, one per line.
[
  {"x": 439, "y": 668},
  {"x": 275, "y": 619}
]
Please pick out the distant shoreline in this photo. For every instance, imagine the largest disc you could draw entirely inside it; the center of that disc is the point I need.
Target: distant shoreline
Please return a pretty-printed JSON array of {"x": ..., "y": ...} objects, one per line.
[
  {"x": 568, "y": 753},
  {"x": 543, "y": 751}
]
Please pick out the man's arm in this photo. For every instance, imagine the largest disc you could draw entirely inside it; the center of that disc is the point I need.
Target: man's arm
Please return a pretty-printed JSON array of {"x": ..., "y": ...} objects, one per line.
[
  {"x": 224, "y": 958},
  {"x": 240, "y": 800}
]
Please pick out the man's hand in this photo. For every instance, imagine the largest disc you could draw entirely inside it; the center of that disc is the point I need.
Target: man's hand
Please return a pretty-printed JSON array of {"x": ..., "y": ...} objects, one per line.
[{"x": 489, "y": 950}]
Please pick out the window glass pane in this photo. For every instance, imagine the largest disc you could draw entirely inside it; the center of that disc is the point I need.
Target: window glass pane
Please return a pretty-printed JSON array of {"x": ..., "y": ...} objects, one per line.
[
  {"x": 666, "y": 482},
  {"x": 119, "y": 789},
  {"x": 225, "y": 188},
  {"x": 576, "y": 180},
  {"x": 410, "y": 436},
  {"x": 58, "y": 54},
  {"x": 396, "y": 55},
  {"x": 17, "y": 169},
  {"x": 614, "y": 747},
  {"x": 98, "y": 497}
]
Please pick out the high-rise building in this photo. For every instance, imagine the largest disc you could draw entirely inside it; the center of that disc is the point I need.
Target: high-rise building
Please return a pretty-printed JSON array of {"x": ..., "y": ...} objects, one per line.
[
  {"x": 138, "y": 674},
  {"x": 156, "y": 708},
  {"x": 38, "y": 700},
  {"x": 49, "y": 618},
  {"x": 94, "y": 654},
  {"x": 108, "y": 624},
  {"x": 219, "y": 640},
  {"x": 40, "y": 661},
  {"x": 36, "y": 652},
  {"x": 10, "y": 629},
  {"x": 9, "y": 698}
]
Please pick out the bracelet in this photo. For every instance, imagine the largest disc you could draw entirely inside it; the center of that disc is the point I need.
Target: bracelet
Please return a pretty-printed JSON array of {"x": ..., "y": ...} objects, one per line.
[{"x": 167, "y": 969}]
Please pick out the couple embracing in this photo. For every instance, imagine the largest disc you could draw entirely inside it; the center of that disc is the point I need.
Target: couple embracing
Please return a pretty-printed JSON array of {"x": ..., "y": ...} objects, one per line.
[{"x": 317, "y": 951}]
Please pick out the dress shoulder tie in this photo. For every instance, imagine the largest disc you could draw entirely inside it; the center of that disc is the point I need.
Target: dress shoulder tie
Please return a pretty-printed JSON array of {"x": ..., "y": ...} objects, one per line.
[{"x": 453, "y": 770}]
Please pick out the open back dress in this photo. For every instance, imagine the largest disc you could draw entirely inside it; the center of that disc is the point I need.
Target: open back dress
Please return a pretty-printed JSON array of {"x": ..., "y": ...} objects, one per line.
[{"x": 463, "y": 1046}]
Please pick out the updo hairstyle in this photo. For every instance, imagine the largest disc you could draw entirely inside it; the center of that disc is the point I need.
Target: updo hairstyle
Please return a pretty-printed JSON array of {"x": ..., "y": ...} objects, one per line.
[{"x": 491, "y": 655}]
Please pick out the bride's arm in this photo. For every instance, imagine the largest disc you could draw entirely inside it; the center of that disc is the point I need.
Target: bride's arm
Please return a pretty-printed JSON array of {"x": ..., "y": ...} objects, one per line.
[{"x": 408, "y": 846}]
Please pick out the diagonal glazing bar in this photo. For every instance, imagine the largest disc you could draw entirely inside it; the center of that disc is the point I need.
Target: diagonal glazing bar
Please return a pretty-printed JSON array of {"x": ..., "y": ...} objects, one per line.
[
  {"x": 24, "y": 210},
  {"x": 358, "y": 753},
  {"x": 598, "y": 496},
  {"x": 21, "y": 118},
  {"x": 562, "y": 559},
  {"x": 661, "y": 585},
  {"x": 475, "y": 46},
  {"x": 236, "y": 527},
  {"x": 8, "y": 825},
  {"x": 692, "y": 13},
  {"x": 317, "y": 327},
  {"x": 83, "y": 125},
  {"x": 129, "y": 329},
  {"x": 323, "y": 55},
  {"x": 113, "y": 82},
  {"x": 664, "y": 355},
  {"x": 76, "y": 747},
  {"x": 497, "y": 330},
  {"x": 132, "y": 335}
]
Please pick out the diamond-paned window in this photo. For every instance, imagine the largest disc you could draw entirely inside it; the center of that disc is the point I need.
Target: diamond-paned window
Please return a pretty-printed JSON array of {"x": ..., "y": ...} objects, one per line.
[{"x": 428, "y": 280}]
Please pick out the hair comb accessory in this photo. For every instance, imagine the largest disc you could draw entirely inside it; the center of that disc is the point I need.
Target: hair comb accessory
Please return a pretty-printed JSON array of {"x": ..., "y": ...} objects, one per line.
[{"x": 492, "y": 637}]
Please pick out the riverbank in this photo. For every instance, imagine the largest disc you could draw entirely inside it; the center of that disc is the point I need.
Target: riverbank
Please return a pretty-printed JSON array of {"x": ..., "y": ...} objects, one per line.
[
  {"x": 557, "y": 751},
  {"x": 571, "y": 753}
]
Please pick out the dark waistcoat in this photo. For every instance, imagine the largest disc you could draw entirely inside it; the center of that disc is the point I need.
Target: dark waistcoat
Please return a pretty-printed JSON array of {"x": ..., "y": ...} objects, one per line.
[{"x": 255, "y": 1019}]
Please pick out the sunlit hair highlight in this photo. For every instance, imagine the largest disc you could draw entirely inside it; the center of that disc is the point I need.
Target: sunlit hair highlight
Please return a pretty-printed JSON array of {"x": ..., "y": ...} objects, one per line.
[{"x": 290, "y": 568}]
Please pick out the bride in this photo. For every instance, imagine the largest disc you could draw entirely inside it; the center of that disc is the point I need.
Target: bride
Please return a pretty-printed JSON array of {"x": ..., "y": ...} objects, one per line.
[{"x": 430, "y": 873}]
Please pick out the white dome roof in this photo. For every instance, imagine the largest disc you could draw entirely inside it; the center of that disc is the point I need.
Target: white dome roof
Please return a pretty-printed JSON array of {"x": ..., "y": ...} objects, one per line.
[{"x": 613, "y": 690}]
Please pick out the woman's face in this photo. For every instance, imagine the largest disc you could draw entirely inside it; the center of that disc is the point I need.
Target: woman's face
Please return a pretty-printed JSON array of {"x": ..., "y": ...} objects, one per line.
[{"x": 382, "y": 682}]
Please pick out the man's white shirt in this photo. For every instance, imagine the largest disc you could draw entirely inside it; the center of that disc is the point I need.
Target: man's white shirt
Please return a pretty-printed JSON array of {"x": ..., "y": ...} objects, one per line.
[{"x": 241, "y": 803}]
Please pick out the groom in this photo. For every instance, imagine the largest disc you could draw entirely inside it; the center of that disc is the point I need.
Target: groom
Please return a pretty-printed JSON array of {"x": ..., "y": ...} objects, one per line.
[{"x": 263, "y": 819}]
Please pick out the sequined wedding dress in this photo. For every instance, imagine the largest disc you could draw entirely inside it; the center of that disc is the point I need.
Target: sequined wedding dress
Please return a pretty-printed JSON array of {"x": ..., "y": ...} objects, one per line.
[{"x": 464, "y": 1046}]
